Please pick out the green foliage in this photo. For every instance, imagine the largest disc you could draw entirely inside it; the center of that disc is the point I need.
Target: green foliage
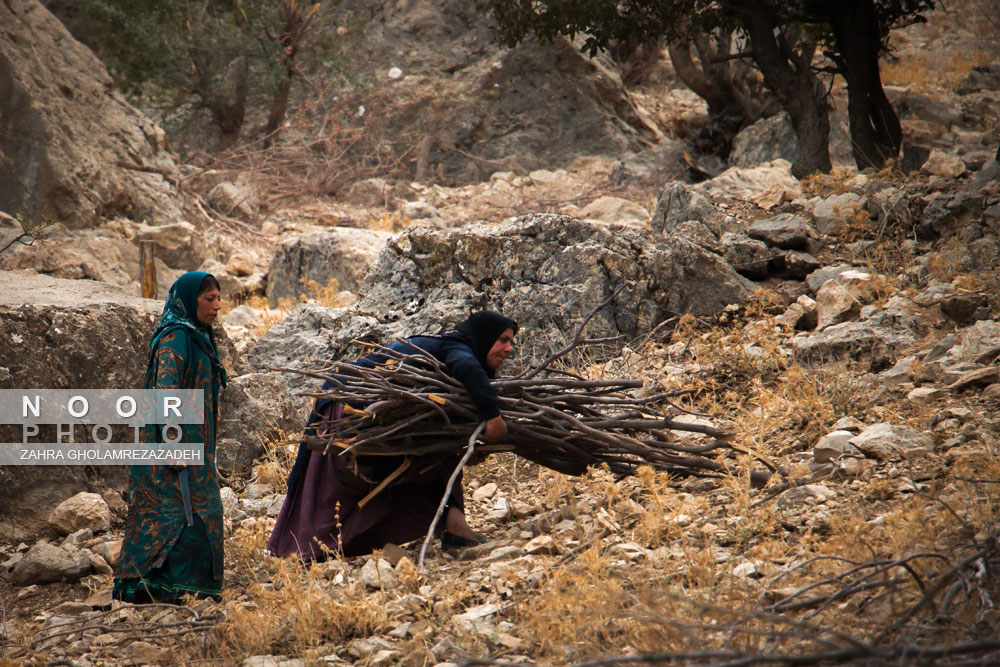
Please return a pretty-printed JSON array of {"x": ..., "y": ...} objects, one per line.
[
  {"x": 217, "y": 50},
  {"x": 604, "y": 22}
]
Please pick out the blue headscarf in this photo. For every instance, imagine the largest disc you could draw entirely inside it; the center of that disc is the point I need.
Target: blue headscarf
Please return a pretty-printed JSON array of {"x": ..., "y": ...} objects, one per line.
[{"x": 180, "y": 312}]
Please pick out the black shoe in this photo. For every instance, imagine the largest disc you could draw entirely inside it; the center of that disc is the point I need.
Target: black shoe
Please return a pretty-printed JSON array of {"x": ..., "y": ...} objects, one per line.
[{"x": 453, "y": 541}]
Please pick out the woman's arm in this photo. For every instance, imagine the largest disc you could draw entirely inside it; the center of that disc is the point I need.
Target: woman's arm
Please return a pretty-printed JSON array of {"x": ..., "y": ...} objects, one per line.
[{"x": 464, "y": 366}]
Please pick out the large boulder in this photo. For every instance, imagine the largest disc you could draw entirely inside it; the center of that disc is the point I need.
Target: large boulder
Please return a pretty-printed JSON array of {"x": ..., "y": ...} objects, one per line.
[
  {"x": 547, "y": 271},
  {"x": 71, "y": 147},
  {"x": 307, "y": 263},
  {"x": 89, "y": 254},
  {"x": 256, "y": 413},
  {"x": 62, "y": 334}
]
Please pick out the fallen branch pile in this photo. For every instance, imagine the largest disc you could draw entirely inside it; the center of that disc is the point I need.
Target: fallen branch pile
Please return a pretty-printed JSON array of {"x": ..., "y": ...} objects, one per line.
[{"x": 409, "y": 405}]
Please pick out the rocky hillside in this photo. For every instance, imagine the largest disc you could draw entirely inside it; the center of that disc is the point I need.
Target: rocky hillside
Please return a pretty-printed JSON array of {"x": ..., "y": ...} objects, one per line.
[{"x": 845, "y": 327}]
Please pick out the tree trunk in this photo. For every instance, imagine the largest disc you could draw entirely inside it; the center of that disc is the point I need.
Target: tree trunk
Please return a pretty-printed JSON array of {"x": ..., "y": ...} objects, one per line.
[
  {"x": 228, "y": 112},
  {"x": 788, "y": 74},
  {"x": 728, "y": 107},
  {"x": 279, "y": 105},
  {"x": 876, "y": 135}
]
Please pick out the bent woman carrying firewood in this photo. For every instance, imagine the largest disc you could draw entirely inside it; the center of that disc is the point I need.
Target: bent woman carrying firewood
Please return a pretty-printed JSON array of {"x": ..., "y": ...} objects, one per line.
[{"x": 356, "y": 504}]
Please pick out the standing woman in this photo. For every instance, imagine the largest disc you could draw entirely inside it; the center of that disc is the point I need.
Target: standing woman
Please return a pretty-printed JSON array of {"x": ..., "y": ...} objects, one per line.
[{"x": 163, "y": 557}]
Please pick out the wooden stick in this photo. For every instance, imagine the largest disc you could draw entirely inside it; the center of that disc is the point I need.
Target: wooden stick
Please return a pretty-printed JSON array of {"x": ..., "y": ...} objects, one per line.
[{"x": 385, "y": 482}]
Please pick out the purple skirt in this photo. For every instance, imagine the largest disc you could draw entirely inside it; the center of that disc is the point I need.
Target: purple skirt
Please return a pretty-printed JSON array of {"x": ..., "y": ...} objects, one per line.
[{"x": 323, "y": 509}]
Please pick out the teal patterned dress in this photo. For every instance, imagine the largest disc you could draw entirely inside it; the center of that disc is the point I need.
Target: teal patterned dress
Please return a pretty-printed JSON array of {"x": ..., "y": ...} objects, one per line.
[{"x": 162, "y": 557}]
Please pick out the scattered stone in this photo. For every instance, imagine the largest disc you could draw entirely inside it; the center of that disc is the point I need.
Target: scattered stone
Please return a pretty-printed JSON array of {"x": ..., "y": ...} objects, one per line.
[
  {"x": 485, "y": 492},
  {"x": 808, "y": 494},
  {"x": 750, "y": 258},
  {"x": 962, "y": 308},
  {"x": 240, "y": 264},
  {"x": 393, "y": 553},
  {"x": 981, "y": 377},
  {"x": 45, "y": 563},
  {"x": 834, "y": 445},
  {"x": 924, "y": 395},
  {"x": 378, "y": 574},
  {"x": 71, "y": 608},
  {"x": 144, "y": 653},
  {"x": 678, "y": 203},
  {"x": 614, "y": 209},
  {"x": 835, "y": 304},
  {"x": 821, "y": 276},
  {"x": 233, "y": 199},
  {"x": 505, "y": 553},
  {"x": 541, "y": 545},
  {"x": 801, "y": 315},
  {"x": 786, "y": 231},
  {"x": 835, "y": 213},
  {"x": 255, "y": 490},
  {"x": 943, "y": 164},
  {"x": 886, "y": 442},
  {"x": 84, "y": 510},
  {"x": 899, "y": 373},
  {"x": 99, "y": 565},
  {"x": 475, "y": 619},
  {"x": 100, "y": 600},
  {"x": 385, "y": 657}
]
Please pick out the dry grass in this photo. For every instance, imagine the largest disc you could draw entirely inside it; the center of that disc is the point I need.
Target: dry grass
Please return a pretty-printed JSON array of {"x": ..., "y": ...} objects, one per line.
[{"x": 922, "y": 74}]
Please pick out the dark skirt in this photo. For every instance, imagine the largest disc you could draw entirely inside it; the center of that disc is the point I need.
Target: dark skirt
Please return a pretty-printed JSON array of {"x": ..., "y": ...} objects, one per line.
[
  {"x": 321, "y": 513},
  {"x": 187, "y": 570}
]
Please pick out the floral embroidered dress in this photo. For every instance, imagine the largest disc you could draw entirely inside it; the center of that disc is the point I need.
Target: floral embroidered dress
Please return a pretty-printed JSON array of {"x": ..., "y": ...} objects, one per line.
[{"x": 162, "y": 557}]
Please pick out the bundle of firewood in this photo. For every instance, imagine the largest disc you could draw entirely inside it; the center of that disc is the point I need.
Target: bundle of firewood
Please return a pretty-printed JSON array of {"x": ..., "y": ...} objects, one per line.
[{"x": 409, "y": 405}]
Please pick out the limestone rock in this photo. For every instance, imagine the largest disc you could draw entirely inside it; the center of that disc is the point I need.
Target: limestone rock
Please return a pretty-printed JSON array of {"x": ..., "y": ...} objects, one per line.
[
  {"x": 73, "y": 148},
  {"x": 886, "y": 442},
  {"x": 767, "y": 139},
  {"x": 464, "y": 91},
  {"x": 834, "y": 214},
  {"x": 614, "y": 209},
  {"x": 45, "y": 563},
  {"x": 255, "y": 409},
  {"x": 678, "y": 203},
  {"x": 791, "y": 232},
  {"x": 179, "y": 244},
  {"x": 943, "y": 164},
  {"x": 980, "y": 343},
  {"x": 485, "y": 492},
  {"x": 835, "y": 304},
  {"x": 546, "y": 271},
  {"x": 744, "y": 182},
  {"x": 89, "y": 255},
  {"x": 800, "y": 315},
  {"x": 750, "y": 258},
  {"x": 234, "y": 200},
  {"x": 834, "y": 445},
  {"x": 883, "y": 335},
  {"x": 542, "y": 544},
  {"x": 820, "y": 276},
  {"x": 808, "y": 494},
  {"x": 302, "y": 265},
  {"x": 84, "y": 510},
  {"x": 378, "y": 574}
]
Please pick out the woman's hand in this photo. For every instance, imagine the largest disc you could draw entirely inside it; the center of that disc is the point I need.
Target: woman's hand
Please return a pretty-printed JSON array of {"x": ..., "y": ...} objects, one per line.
[{"x": 496, "y": 429}]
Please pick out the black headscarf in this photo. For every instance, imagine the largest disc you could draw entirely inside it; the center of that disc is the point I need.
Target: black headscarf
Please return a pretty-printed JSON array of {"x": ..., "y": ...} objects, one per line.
[{"x": 480, "y": 330}]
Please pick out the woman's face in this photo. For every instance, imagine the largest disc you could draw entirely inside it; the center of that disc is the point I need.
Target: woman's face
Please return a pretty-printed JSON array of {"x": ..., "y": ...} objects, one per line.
[
  {"x": 501, "y": 348},
  {"x": 209, "y": 303}
]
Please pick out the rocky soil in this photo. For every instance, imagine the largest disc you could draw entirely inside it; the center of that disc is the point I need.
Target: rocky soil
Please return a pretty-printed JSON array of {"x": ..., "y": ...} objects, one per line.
[{"x": 859, "y": 357}]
